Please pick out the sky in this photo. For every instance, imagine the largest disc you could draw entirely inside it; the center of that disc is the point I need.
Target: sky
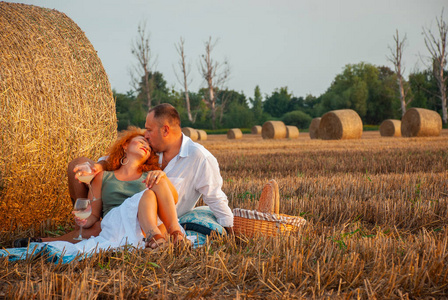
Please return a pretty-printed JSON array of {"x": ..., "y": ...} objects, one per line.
[{"x": 297, "y": 44}]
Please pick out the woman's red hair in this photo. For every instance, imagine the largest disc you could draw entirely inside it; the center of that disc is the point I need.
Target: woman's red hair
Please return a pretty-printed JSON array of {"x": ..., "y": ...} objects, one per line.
[{"x": 116, "y": 151}]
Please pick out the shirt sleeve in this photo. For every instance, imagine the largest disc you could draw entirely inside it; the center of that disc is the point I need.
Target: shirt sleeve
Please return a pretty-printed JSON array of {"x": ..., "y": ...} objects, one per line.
[{"x": 209, "y": 184}]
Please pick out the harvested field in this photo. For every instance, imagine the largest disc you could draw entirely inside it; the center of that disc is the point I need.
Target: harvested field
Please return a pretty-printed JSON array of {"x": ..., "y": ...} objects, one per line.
[{"x": 377, "y": 229}]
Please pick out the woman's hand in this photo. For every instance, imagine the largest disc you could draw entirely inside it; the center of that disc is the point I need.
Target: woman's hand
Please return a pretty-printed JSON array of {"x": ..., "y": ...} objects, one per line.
[
  {"x": 80, "y": 222},
  {"x": 153, "y": 178}
]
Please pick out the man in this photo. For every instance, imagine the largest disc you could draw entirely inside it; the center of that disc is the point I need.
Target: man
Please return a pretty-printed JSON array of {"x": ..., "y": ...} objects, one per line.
[{"x": 192, "y": 169}]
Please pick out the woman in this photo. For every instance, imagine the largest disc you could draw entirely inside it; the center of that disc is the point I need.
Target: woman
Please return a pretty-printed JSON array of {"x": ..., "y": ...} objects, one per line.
[
  {"x": 131, "y": 211},
  {"x": 128, "y": 162}
]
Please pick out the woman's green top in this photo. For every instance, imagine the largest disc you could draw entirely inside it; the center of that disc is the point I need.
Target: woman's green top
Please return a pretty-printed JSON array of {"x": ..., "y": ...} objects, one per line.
[{"x": 114, "y": 191}]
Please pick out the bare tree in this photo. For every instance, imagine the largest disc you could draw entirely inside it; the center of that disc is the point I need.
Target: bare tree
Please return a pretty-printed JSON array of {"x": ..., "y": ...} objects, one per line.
[
  {"x": 436, "y": 46},
  {"x": 141, "y": 73},
  {"x": 215, "y": 75},
  {"x": 185, "y": 73},
  {"x": 396, "y": 55}
]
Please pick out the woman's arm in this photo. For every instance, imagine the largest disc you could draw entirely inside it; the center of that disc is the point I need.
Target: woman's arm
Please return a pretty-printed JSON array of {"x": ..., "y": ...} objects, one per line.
[{"x": 97, "y": 205}]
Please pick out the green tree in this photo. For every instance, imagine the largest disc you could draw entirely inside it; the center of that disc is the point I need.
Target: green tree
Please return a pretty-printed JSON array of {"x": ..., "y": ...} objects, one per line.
[
  {"x": 130, "y": 110},
  {"x": 369, "y": 90},
  {"x": 425, "y": 90},
  {"x": 277, "y": 104},
  {"x": 297, "y": 118},
  {"x": 238, "y": 116},
  {"x": 257, "y": 105}
]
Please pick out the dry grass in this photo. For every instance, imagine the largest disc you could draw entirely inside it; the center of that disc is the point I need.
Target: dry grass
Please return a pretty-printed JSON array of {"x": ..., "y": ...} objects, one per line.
[{"x": 377, "y": 228}]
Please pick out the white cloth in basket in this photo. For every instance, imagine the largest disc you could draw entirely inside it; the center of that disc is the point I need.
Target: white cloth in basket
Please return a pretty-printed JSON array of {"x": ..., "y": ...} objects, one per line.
[{"x": 256, "y": 215}]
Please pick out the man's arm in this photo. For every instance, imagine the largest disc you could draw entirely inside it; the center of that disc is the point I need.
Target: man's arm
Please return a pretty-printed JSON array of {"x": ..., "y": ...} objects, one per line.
[{"x": 209, "y": 183}]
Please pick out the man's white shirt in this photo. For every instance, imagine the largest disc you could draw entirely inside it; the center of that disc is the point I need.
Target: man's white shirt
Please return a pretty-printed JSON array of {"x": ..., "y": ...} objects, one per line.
[{"x": 194, "y": 171}]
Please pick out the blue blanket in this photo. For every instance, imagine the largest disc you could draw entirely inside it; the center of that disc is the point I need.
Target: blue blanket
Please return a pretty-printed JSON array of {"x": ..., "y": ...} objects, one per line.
[{"x": 198, "y": 223}]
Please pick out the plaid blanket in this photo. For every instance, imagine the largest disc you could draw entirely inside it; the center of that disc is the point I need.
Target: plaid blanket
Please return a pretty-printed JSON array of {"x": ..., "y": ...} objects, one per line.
[{"x": 278, "y": 218}]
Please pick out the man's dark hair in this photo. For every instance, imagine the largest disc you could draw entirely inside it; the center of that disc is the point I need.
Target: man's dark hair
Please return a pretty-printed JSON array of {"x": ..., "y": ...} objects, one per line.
[{"x": 167, "y": 112}]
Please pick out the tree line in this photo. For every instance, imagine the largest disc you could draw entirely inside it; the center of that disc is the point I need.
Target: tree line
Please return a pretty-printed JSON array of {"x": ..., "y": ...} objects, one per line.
[{"x": 376, "y": 93}]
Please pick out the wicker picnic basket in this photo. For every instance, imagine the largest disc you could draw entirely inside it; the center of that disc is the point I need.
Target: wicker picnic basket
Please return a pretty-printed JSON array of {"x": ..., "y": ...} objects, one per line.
[{"x": 266, "y": 220}]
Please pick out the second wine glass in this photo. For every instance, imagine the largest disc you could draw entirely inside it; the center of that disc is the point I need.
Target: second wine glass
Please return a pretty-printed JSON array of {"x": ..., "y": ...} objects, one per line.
[{"x": 82, "y": 210}]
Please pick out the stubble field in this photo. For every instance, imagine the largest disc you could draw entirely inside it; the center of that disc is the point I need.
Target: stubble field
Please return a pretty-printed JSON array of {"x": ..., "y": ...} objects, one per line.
[{"x": 376, "y": 212}]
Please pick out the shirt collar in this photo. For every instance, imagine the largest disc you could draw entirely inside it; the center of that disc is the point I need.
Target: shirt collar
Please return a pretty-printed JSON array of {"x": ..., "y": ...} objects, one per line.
[{"x": 183, "y": 151}]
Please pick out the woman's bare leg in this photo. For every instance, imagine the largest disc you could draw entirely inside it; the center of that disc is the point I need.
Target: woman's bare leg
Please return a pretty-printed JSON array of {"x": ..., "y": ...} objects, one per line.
[
  {"x": 166, "y": 207},
  {"x": 147, "y": 216}
]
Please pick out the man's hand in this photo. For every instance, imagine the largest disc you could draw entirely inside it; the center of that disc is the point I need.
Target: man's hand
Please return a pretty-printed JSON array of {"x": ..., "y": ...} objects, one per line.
[{"x": 153, "y": 178}]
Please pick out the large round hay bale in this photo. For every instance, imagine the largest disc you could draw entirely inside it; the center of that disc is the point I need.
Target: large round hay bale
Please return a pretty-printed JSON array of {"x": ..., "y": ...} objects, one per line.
[
  {"x": 56, "y": 104},
  {"x": 273, "y": 130},
  {"x": 191, "y": 133},
  {"x": 292, "y": 132},
  {"x": 202, "y": 135},
  {"x": 314, "y": 128},
  {"x": 234, "y": 134},
  {"x": 256, "y": 129},
  {"x": 390, "y": 127},
  {"x": 340, "y": 125},
  {"x": 421, "y": 122}
]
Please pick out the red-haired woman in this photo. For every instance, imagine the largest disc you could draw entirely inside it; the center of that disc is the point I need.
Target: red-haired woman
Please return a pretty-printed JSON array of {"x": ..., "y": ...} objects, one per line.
[{"x": 130, "y": 211}]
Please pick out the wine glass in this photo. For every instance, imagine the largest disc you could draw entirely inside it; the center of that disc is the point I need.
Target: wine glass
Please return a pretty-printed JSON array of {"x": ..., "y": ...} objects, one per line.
[
  {"x": 82, "y": 210},
  {"x": 84, "y": 173}
]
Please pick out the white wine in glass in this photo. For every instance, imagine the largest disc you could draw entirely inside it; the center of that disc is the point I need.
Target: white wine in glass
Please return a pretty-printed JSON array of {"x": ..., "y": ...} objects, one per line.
[
  {"x": 85, "y": 174},
  {"x": 82, "y": 210}
]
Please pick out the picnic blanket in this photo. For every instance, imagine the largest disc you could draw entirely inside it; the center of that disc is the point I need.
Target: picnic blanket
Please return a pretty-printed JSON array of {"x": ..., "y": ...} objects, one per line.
[{"x": 197, "y": 224}]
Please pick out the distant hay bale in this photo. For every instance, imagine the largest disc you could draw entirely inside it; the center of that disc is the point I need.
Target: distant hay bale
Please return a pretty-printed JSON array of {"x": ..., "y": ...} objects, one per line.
[
  {"x": 256, "y": 129},
  {"x": 56, "y": 104},
  {"x": 191, "y": 133},
  {"x": 234, "y": 134},
  {"x": 273, "y": 130},
  {"x": 314, "y": 128},
  {"x": 202, "y": 135},
  {"x": 418, "y": 122},
  {"x": 390, "y": 127},
  {"x": 340, "y": 125},
  {"x": 292, "y": 132}
]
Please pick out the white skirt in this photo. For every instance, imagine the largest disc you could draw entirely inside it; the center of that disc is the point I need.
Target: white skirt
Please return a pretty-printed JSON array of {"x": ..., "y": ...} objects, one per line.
[{"x": 119, "y": 227}]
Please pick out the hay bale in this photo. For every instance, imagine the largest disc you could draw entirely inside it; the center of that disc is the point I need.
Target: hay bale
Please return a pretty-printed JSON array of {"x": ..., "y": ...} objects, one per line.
[
  {"x": 273, "y": 130},
  {"x": 56, "y": 104},
  {"x": 191, "y": 133},
  {"x": 256, "y": 129},
  {"x": 234, "y": 134},
  {"x": 340, "y": 125},
  {"x": 390, "y": 127},
  {"x": 421, "y": 122},
  {"x": 202, "y": 135},
  {"x": 314, "y": 128},
  {"x": 292, "y": 132}
]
